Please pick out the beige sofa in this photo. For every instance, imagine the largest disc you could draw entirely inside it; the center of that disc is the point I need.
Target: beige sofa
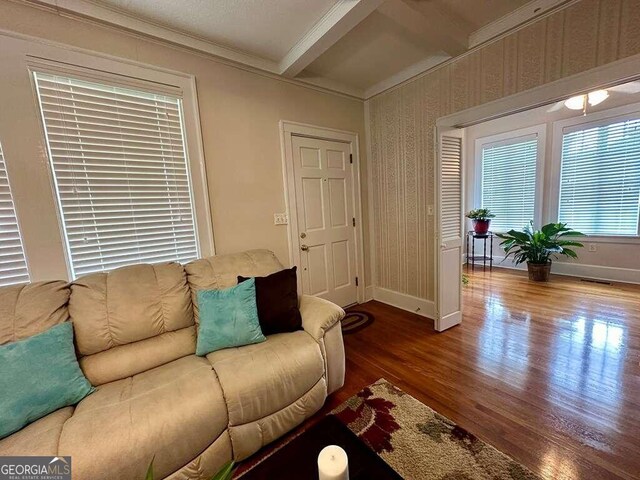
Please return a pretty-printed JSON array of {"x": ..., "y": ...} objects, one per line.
[{"x": 135, "y": 333}]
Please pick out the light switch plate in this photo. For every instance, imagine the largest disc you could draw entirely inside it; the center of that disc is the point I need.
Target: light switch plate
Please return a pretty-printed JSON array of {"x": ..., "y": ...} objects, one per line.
[{"x": 280, "y": 219}]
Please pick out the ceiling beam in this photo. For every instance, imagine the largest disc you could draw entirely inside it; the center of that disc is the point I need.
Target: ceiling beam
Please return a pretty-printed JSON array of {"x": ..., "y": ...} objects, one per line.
[
  {"x": 438, "y": 30},
  {"x": 335, "y": 24}
]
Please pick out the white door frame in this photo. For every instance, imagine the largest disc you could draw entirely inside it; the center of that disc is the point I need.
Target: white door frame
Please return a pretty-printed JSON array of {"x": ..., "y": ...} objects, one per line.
[
  {"x": 604, "y": 76},
  {"x": 289, "y": 129}
]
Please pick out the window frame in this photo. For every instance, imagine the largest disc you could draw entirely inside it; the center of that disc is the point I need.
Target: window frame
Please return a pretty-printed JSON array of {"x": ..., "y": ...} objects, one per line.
[
  {"x": 507, "y": 138},
  {"x": 112, "y": 72},
  {"x": 613, "y": 115}
]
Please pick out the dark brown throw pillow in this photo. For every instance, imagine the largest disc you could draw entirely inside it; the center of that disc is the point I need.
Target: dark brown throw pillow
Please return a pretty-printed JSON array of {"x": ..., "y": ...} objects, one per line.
[{"x": 277, "y": 299}]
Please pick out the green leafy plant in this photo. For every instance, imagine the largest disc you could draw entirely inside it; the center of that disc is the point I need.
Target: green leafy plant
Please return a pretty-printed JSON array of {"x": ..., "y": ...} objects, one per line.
[
  {"x": 225, "y": 473},
  {"x": 538, "y": 246},
  {"x": 480, "y": 214}
]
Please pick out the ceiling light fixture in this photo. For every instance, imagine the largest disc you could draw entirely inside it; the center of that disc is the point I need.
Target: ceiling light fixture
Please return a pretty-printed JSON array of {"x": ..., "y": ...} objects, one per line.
[
  {"x": 597, "y": 97},
  {"x": 579, "y": 102},
  {"x": 575, "y": 103}
]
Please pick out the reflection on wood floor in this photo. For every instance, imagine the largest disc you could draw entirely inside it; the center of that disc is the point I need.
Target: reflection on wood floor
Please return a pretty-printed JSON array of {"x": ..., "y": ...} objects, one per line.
[{"x": 548, "y": 373}]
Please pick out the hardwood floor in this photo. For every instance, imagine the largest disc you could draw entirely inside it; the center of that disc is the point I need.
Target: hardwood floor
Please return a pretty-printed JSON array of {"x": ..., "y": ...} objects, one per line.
[{"x": 548, "y": 373}]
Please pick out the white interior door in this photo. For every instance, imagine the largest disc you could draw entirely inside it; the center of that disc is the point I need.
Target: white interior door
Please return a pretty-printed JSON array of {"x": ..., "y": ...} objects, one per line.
[
  {"x": 449, "y": 229},
  {"x": 325, "y": 218}
]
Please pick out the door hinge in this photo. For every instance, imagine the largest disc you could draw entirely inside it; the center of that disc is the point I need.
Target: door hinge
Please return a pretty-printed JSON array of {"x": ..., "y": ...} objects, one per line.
[
  {"x": 354, "y": 221},
  {"x": 351, "y": 158},
  {"x": 356, "y": 281}
]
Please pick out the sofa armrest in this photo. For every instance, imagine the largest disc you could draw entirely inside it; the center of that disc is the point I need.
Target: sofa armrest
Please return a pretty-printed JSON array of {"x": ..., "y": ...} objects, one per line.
[
  {"x": 318, "y": 315},
  {"x": 321, "y": 320}
]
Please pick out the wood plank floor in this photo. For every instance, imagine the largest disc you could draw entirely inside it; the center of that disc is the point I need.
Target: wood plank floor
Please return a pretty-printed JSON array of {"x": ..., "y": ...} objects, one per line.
[{"x": 548, "y": 373}]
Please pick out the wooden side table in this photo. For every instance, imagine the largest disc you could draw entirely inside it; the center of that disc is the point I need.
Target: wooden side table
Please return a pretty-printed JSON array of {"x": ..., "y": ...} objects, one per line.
[{"x": 473, "y": 258}]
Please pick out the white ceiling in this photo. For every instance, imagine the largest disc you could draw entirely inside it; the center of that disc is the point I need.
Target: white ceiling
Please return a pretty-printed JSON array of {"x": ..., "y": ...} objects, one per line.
[
  {"x": 358, "y": 47},
  {"x": 265, "y": 28}
]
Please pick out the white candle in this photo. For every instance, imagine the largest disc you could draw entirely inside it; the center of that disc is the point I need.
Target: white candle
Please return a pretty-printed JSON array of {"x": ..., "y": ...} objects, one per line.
[{"x": 333, "y": 464}]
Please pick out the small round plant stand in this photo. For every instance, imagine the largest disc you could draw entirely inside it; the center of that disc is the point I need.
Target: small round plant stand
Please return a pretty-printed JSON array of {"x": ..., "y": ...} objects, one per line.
[{"x": 472, "y": 258}]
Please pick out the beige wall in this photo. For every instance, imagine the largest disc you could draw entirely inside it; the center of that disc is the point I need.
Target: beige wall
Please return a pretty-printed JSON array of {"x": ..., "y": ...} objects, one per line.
[
  {"x": 239, "y": 111},
  {"x": 402, "y": 121}
]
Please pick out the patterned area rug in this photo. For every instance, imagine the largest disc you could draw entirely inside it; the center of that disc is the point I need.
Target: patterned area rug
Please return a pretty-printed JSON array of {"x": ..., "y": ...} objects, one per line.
[
  {"x": 419, "y": 443},
  {"x": 355, "y": 320}
]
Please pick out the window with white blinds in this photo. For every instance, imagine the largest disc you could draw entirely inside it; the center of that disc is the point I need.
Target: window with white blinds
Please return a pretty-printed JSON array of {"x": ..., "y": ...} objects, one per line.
[
  {"x": 121, "y": 173},
  {"x": 600, "y": 178},
  {"x": 13, "y": 265},
  {"x": 509, "y": 171}
]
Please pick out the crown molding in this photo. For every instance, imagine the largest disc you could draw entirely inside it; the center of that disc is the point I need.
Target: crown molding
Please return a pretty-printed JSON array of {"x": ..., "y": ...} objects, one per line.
[
  {"x": 513, "y": 19},
  {"x": 406, "y": 74},
  {"x": 163, "y": 36},
  {"x": 115, "y": 17}
]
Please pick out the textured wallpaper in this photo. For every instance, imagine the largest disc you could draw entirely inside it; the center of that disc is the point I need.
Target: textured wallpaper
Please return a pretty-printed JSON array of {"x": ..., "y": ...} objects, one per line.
[{"x": 402, "y": 121}]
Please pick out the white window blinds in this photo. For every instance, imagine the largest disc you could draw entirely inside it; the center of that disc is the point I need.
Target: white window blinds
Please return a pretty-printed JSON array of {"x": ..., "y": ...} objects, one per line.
[
  {"x": 121, "y": 173},
  {"x": 600, "y": 179},
  {"x": 13, "y": 265},
  {"x": 509, "y": 182}
]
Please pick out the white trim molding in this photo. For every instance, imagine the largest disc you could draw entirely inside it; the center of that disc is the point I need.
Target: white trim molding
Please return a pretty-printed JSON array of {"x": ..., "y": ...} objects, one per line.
[
  {"x": 580, "y": 270},
  {"x": 419, "y": 306},
  {"x": 524, "y": 14},
  {"x": 369, "y": 293}
]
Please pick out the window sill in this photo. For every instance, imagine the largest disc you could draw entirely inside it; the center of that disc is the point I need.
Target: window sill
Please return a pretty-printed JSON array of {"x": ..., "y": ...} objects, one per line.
[{"x": 610, "y": 239}]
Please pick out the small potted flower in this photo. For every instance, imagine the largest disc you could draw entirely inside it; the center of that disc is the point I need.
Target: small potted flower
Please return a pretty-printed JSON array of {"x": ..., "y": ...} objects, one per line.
[{"x": 481, "y": 219}]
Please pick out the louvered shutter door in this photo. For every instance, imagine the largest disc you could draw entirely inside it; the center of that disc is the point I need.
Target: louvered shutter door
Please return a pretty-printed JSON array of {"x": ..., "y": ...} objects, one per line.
[
  {"x": 13, "y": 265},
  {"x": 451, "y": 188},
  {"x": 509, "y": 182},
  {"x": 600, "y": 179},
  {"x": 121, "y": 173}
]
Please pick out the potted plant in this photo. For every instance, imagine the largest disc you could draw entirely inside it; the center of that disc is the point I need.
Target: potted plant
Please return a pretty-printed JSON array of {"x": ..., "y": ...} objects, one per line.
[
  {"x": 481, "y": 219},
  {"x": 536, "y": 247}
]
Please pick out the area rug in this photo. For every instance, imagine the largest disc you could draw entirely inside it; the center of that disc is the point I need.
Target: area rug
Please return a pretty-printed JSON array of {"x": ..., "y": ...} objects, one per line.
[
  {"x": 355, "y": 320},
  {"x": 419, "y": 443}
]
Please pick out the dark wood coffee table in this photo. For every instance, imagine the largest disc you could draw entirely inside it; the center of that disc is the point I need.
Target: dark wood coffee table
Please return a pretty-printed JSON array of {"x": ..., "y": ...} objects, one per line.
[{"x": 298, "y": 459}]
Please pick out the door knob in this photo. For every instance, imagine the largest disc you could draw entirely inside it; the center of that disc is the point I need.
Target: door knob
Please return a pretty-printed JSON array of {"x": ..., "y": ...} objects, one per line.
[
  {"x": 303, "y": 235},
  {"x": 304, "y": 248}
]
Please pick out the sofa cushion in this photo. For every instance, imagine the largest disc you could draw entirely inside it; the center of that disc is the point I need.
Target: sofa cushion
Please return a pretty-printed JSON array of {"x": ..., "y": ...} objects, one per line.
[
  {"x": 38, "y": 438},
  {"x": 174, "y": 412},
  {"x": 261, "y": 379},
  {"x": 129, "y": 304},
  {"x": 126, "y": 306},
  {"x": 222, "y": 271},
  {"x": 29, "y": 309}
]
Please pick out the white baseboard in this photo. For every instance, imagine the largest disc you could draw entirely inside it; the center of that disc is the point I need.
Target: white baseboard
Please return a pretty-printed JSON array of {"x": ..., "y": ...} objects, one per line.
[
  {"x": 594, "y": 272},
  {"x": 368, "y": 293},
  {"x": 420, "y": 306}
]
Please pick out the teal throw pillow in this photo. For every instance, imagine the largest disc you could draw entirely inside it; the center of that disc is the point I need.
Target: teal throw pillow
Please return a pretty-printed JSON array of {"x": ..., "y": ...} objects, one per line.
[
  {"x": 228, "y": 318},
  {"x": 39, "y": 375}
]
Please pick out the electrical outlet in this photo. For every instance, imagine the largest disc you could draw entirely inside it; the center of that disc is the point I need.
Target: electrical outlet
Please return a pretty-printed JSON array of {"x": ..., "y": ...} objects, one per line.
[
  {"x": 593, "y": 247},
  {"x": 280, "y": 219}
]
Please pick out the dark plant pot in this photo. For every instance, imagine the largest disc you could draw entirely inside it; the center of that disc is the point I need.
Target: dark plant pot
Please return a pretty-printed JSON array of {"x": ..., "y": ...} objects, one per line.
[
  {"x": 481, "y": 227},
  {"x": 539, "y": 272}
]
